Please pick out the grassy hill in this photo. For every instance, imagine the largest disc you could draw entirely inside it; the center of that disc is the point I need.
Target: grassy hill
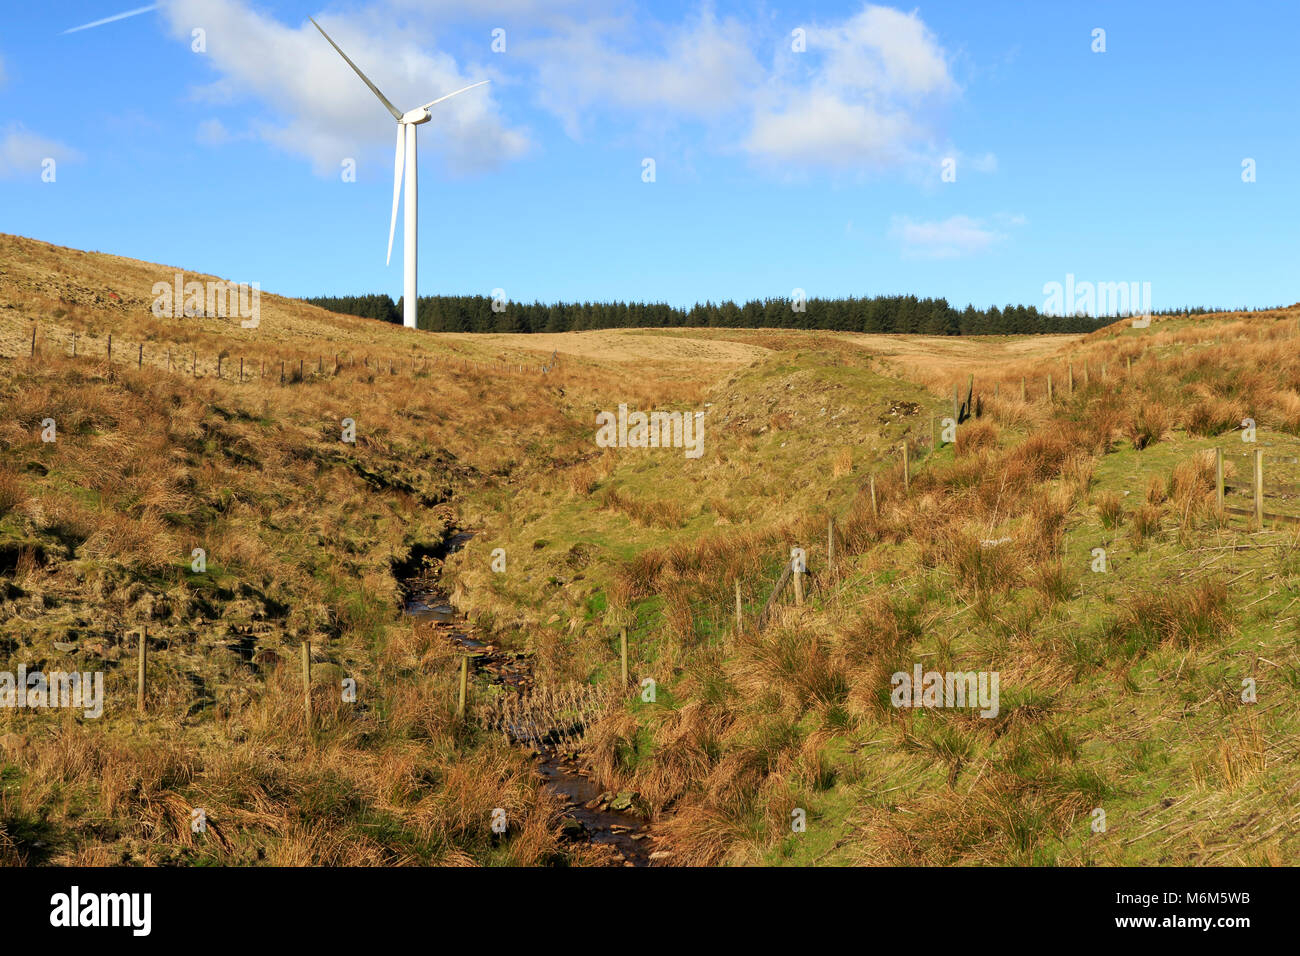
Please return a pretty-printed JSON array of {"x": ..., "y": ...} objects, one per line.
[{"x": 1121, "y": 691}]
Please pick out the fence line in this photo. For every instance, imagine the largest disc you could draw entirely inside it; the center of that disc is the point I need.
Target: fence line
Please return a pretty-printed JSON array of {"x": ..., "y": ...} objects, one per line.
[{"x": 164, "y": 358}]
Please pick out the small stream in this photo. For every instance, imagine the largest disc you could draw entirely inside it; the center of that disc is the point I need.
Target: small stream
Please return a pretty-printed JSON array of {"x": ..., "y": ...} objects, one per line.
[{"x": 588, "y": 816}]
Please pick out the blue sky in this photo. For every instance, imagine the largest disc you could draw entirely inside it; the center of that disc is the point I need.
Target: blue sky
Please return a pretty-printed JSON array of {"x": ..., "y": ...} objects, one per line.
[{"x": 775, "y": 169}]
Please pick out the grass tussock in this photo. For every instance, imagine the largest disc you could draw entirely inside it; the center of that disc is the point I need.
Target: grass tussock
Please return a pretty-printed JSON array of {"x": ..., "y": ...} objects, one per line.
[
  {"x": 648, "y": 512},
  {"x": 1184, "y": 616},
  {"x": 1147, "y": 425},
  {"x": 1110, "y": 509}
]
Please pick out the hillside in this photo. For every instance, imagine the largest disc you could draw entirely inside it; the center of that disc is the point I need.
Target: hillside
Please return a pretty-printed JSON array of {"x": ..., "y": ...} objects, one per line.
[{"x": 1121, "y": 690}]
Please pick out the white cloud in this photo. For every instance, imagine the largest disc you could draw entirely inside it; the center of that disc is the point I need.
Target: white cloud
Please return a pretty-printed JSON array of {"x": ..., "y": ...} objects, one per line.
[
  {"x": 536, "y": 11},
  {"x": 859, "y": 98},
  {"x": 213, "y": 132},
  {"x": 22, "y": 153},
  {"x": 320, "y": 108},
  {"x": 854, "y": 99},
  {"x": 881, "y": 50},
  {"x": 704, "y": 69},
  {"x": 945, "y": 239},
  {"x": 822, "y": 129}
]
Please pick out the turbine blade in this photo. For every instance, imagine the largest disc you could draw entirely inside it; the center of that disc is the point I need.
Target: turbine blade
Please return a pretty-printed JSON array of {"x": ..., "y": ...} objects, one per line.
[
  {"x": 365, "y": 79},
  {"x": 450, "y": 95},
  {"x": 397, "y": 186}
]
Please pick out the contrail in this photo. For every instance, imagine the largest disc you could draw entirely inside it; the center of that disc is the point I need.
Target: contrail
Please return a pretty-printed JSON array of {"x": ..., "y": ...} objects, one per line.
[{"x": 120, "y": 16}]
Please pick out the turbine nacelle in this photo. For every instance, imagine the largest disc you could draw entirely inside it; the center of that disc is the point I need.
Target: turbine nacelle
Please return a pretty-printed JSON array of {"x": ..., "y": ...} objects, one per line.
[{"x": 416, "y": 117}]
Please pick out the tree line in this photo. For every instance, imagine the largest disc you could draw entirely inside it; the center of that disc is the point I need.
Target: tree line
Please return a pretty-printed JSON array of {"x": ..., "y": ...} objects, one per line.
[{"x": 894, "y": 314}]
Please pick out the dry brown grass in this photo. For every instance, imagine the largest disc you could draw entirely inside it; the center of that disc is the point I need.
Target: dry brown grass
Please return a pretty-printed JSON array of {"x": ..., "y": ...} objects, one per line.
[
  {"x": 1243, "y": 755},
  {"x": 843, "y": 463},
  {"x": 1110, "y": 509},
  {"x": 301, "y": 533},
  {"x": 975, "y": 436},
  {"x": 1183, "y": 615},
  {"x": 12, "y": 493},
  {"x": 654, "y": 512},
  {"x": 1191, "y": 483},
  {"x": 1146, "y": 523},
  {"x": 1156, "y": 494},
  {"x": 1147, "y": 425},
  {"x": 583, "y": 480}
]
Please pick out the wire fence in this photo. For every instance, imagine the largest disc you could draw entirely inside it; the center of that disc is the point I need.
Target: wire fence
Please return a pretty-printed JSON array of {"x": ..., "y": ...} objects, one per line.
[{"x": 280, "y": 368}]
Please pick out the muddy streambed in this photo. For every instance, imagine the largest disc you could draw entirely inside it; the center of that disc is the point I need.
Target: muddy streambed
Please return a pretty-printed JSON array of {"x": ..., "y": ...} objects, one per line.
[{"x": 589, "y": 813}]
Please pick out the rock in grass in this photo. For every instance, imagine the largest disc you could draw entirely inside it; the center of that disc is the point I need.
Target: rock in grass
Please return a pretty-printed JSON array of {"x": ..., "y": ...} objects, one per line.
[{"x": 572, "y": 829}]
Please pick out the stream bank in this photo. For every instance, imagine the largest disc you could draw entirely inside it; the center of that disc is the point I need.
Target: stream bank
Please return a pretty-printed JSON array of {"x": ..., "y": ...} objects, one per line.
[{"x": 590, "y": 815}]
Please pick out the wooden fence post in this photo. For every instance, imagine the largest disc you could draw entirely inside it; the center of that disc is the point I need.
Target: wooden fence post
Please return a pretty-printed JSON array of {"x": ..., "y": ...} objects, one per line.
[
  {"x": 934, "y": 435},
  {"x": 1071, "y": 370},
  {"x": 464, "y": 685},
  {"x": 306, "y": 683},
  {"x": 33, "y": 341},
  {"x": 1128, "y": 363},
  {"x": 219, "y": 358},
  {"x": 1218, "y": 478},
  {"x": 907, "y": 480},
  {"x": 1049, "y": 388},
  {"x": 622, "y": 652},
  {"x": 740, "y": 617},
  {"x": 830, "y": 543},
  {"x": 956, "y": 407},
  {"x": 110, "y": 347},
  {"x": 1022, "y": 388},
  {"x": 1259, "y": 486},
  {"x": 241, "y": 370},
  {"x": 1085, "y": 373},
  {"x": 777, "y": 590},
  {"x": 798, "y": 587},
  {"x": 875, "y": 508},
  {"x": 140, "y": 669},
  {"x": 139, "y": 361}
]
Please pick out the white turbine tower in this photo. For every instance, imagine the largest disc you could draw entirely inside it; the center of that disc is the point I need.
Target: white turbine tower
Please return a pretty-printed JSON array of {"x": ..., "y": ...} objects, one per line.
[{"x": 405, "y": 149}]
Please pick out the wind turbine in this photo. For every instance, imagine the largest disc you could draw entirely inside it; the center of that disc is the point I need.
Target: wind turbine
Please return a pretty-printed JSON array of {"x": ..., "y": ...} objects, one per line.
[{"x": 406, "y": 148}]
